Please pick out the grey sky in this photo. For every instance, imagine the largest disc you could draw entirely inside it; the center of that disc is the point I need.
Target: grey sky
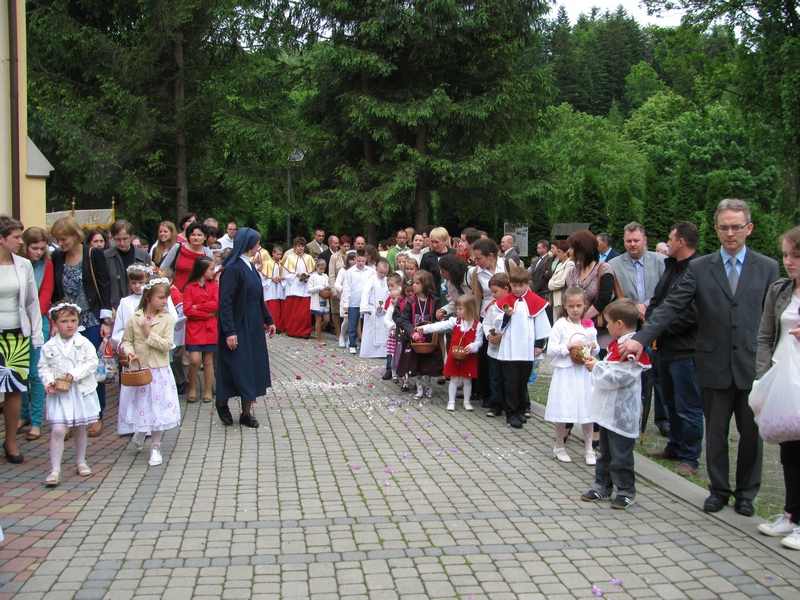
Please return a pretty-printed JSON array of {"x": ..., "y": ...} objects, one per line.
[{"x": 633, "y": 8}]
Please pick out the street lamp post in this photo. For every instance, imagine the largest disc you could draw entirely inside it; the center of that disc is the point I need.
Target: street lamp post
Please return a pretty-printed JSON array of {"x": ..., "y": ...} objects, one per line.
[{"x": 296, "y": 157}]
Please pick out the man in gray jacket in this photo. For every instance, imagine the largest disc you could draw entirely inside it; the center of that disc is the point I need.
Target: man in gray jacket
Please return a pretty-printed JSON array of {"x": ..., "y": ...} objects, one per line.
[
  {"x": 728, "y": 288},
  {"x": 122, "y": 256}
]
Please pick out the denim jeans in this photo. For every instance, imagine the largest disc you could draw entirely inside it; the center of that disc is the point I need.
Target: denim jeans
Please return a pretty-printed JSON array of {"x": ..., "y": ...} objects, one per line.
[
  {"x": 682, "y": 397},
  {"x": 353, "y": 314},
  {"x": 495, "y": 398},
  {"x": 33, "y": 399},
  {"x": 615, "y": 465}
]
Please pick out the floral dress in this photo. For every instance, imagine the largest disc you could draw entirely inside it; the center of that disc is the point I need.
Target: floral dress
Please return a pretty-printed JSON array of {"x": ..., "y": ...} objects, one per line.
[{"x": 73, "y": 289}]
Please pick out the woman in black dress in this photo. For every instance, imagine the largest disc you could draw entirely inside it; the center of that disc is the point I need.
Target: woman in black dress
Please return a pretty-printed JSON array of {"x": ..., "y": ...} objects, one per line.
[{"x": 243, "y": 359}]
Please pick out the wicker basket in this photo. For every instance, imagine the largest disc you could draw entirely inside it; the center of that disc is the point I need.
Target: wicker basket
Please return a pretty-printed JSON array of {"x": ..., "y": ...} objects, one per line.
[
  {"x": 326, "y": 293},
  {"x": 459, "y": 352},
  {"x": 123, "y": 361},
  {"x": 426, "y": 347},
  {"x": 136, "y": 378},
  {"x": 63, "y": 385},
  {"x": 579, "y": 355}
]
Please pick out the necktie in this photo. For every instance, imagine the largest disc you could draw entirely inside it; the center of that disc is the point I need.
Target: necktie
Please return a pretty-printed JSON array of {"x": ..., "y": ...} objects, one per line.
[{"x": 733, "y": 274}]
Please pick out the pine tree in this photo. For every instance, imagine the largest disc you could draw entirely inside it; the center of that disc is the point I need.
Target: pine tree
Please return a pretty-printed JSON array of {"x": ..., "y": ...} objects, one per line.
[
  {"x": 593, "y": 204},
  {"x": 622, "y": 210},
  {"x": 685, "y": 193},
  {"x": 659, "y": 207}
]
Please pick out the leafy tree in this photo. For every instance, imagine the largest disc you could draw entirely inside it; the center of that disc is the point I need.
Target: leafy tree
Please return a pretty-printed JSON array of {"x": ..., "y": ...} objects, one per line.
[
  {"x": 659, "y": 213},
  {"x": 641, "y": 84},
  {"x": 593, "y": 205},
  {"x": 623, "y": 210}
]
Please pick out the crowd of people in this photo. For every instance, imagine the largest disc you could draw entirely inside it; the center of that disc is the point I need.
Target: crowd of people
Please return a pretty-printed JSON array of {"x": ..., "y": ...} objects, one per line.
[{"x": 617, "y": 326}]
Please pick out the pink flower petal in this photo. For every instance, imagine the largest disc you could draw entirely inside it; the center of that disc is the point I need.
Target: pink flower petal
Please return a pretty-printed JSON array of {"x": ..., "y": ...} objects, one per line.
[
  {"x": 768, "y": 576},
  {"x": 386, "y": 483},
  {"x": 390, "y": 470},
  {"x": 297, "y": 377},
  {"x": 439, "y": 453},
  {"x": 428, "y": 442},
  {"x": 355, "y": 467},
  {"x": 464, "y": 436},
  {"x": 616, "y": 581},
  {"x": 453, "y": 449},
  {"x": 405, "y": 454},
  {"x": 597, "y": 591}
]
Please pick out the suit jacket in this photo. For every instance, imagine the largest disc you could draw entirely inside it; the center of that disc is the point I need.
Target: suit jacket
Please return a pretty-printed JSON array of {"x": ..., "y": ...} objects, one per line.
[
  {"x": 541, "y": 272},
  {"x": 512, "y": 255},
  {"x": 314, "y": 250},
  {"x": 612, "y": 254},
  {"x": 117, "y": 274},
  {"x": 727, "y": 324},
  {"x": 653, "y": 270}
]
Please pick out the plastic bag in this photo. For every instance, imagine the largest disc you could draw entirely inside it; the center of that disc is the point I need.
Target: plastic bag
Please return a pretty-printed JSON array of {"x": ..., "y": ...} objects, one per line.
[
  {"x": 105, "y": 356},
  {"x": 100, "y": 372},
  {"x": 775, "y": 399}
]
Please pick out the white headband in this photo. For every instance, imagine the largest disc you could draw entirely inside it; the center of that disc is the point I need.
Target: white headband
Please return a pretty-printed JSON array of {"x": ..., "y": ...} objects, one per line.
[
  {"x": 139, "y": 267},
  {"x": 58, "y": 307},
  {"x": 156, "y": 281}
]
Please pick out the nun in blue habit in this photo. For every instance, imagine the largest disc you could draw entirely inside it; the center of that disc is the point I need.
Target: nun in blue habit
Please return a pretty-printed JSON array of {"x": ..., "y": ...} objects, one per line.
[{"x": 243, "y": 361}]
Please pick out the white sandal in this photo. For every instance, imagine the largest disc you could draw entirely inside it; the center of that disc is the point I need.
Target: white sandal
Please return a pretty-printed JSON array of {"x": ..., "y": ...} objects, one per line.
[
  {"x": 53, "y": 479},
  {"x": 84, "y": 470}
]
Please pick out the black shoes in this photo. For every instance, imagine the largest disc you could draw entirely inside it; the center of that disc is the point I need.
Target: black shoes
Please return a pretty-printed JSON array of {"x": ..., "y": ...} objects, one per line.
[
  {"x": 224, "y": 413},
  {"x": 14, "y": 459},
  {"x": 248, "y": 420},
  {"x": 744, "y": 507},
  {"x": 515, "y": 422},
  {"x": 387, "y": 375},
  {"x": 716, "y": 502},
  {"x": 183, "y": 388}
]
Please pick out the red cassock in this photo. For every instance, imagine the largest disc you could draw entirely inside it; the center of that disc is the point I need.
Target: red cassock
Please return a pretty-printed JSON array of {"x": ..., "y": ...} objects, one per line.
[
  {"x": 297, "y": 316},
  {"x": 276, "y": 309}
]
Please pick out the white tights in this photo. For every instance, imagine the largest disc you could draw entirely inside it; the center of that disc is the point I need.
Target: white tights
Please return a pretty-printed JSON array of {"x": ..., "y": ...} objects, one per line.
[
  {"x": 57, "y": 436},
  {"x": 453, "y": 388},
  {"x": 561, "y": 432}
]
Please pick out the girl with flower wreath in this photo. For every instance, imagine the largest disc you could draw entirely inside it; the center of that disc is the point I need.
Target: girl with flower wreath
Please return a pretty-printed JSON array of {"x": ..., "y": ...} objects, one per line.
[
  {"x": 148, "y": 338},
  {"x": 570, "y": 395},
  {"x": 66, "y": 367}
]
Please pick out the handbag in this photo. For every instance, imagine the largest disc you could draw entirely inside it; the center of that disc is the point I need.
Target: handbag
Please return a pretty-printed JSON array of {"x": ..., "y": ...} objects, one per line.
[
  {"x": 775, "y": 399},
  {"x": 97, "y": 288},
  {"x": 599, "y": 320}
]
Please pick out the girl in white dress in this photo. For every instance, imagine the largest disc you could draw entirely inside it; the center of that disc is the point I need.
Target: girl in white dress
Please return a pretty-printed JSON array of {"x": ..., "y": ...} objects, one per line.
[
  {"x": 148, "y": 339},
  {"x": 320, "y": 307},
  {"x": 373, "y": 309},
  {"x": 69, "y": 357},
  {"x": 569, "y": 398}
]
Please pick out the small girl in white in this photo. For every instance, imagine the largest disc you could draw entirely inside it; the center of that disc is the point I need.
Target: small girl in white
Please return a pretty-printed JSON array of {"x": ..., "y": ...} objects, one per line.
[
  {"x": 570, "y": 396},
  {"x": 69, "y": 356},
  {"x": 320, "y": 307},
  {"x": 467, "y": 333},
  {"x": 148, "y": 339}
]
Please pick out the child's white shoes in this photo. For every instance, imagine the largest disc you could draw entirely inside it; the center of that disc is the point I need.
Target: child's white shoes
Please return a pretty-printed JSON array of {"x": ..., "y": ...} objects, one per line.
[
  {"x": 137, "y": 441},
  {"x": 451, "y": 406},
  {"x": 468, "y": 405},
  {"x": 561, "y": 454},
  {"x": 591, "y": 458},
  {"x": 155, "y": 457}
]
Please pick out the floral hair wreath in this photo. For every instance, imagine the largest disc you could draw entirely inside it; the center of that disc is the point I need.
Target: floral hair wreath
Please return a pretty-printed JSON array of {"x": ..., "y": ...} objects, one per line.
[
  {"x": 62, "y": 306},
  {"x": 140, "y": 267},
  {"x": 154, "y": 282}
]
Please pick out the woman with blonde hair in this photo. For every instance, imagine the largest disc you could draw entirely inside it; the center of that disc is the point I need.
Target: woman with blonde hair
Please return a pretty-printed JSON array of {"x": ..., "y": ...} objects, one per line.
[
  {"x": 34, "y": 248},
  {"x": 81, "y": 277},
  {"x": 166, "y": 238}
]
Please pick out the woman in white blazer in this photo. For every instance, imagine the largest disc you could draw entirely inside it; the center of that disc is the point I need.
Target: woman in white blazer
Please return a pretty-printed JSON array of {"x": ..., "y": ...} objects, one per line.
[
  {"x": 559, "y": 278},
  {"x": 20, "y": 327}
]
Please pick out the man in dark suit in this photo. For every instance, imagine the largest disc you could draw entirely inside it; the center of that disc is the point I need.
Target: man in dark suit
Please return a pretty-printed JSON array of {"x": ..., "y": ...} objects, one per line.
[
  {"x": 728, "y": 288},
  {"x": 541, "y": 269},
  {"x": 333, "y": 248},
  {"x": 604, "y": 247},
  {"x": 508, "y": 244}
]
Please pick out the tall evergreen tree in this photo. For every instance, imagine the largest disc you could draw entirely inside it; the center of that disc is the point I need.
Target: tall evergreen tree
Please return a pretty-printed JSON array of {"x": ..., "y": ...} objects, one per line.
[{"x": 659, "y": 208}]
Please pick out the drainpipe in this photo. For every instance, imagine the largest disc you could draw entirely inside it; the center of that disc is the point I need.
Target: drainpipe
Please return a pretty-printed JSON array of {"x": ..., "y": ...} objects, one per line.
[{"x": 13, "y": 55}]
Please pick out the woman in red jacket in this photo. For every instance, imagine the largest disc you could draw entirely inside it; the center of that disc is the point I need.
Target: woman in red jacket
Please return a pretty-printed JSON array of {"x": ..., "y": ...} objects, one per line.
[
  {"x": 200, "y": 305},
  {"x": 34, "y": 248}
]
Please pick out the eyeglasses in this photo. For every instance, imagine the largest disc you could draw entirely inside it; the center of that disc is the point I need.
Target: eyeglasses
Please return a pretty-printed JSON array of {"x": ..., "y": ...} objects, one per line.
[{"x": 733, "y": 228}]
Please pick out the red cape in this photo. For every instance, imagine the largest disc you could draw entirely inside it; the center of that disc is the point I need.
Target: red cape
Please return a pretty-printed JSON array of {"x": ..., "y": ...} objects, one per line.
[
  {"x": 536, "y": 303},
  {"x": 613, "y": 355}
]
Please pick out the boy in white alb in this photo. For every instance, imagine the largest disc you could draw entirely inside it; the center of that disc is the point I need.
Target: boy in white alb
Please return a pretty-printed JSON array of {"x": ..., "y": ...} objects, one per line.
[{"x": 524, "y": 325}]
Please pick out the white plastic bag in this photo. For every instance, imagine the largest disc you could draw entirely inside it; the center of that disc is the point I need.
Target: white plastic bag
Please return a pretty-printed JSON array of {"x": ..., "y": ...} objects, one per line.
[{"x": 775, "y": 399}]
